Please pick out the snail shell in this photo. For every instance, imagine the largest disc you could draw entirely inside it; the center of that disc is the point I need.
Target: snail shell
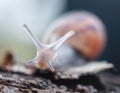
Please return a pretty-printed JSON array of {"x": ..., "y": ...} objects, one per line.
[{"x": 90, "y": 38}]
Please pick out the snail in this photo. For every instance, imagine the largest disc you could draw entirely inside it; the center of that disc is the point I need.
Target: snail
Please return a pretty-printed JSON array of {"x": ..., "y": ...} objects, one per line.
[{"x": 77, "y": 37}]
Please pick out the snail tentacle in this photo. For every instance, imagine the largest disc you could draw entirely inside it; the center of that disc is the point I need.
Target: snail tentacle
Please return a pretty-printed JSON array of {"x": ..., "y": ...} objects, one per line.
[
  {"x": 32, "y": 61},
  {"x": 59, "y": 42},
  {"x": 49, "y": 64},
  {"x": 37, "y": 43}
]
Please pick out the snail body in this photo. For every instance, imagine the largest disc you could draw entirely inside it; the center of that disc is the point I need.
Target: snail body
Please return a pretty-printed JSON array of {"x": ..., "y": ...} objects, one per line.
[{"x": 79, "y": 35}]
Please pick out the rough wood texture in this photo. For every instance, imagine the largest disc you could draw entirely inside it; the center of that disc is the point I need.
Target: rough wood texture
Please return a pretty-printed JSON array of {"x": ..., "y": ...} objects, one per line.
[
  {"x": 20, "y": 83},
  {"x": 46, "y": 82}
]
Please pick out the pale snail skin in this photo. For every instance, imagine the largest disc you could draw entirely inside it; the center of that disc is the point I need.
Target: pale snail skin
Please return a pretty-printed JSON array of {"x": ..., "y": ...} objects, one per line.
[{"x": 46, "y": 54}]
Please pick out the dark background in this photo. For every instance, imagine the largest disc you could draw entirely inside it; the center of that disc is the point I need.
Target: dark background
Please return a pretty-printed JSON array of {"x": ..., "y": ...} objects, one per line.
[{"x": 109, "y": 12}]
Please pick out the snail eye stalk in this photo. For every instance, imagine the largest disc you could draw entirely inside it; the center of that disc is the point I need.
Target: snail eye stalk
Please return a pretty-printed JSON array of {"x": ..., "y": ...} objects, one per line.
[
  {"x": 37, "y": 43},
  {"x": 59, "y": 42}
]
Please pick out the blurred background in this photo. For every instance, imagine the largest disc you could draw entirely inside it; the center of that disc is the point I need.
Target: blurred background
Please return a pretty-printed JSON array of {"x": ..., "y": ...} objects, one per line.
[{"x": 38, "y": 14}]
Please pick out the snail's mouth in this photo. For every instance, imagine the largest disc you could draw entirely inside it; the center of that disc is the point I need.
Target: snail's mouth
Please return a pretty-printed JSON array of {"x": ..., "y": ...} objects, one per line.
[{"x": 46, "y": 65}]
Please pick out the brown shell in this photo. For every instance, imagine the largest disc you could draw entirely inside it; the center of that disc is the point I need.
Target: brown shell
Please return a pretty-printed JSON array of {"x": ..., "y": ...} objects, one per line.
[{"x": 90, "y": 37}]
